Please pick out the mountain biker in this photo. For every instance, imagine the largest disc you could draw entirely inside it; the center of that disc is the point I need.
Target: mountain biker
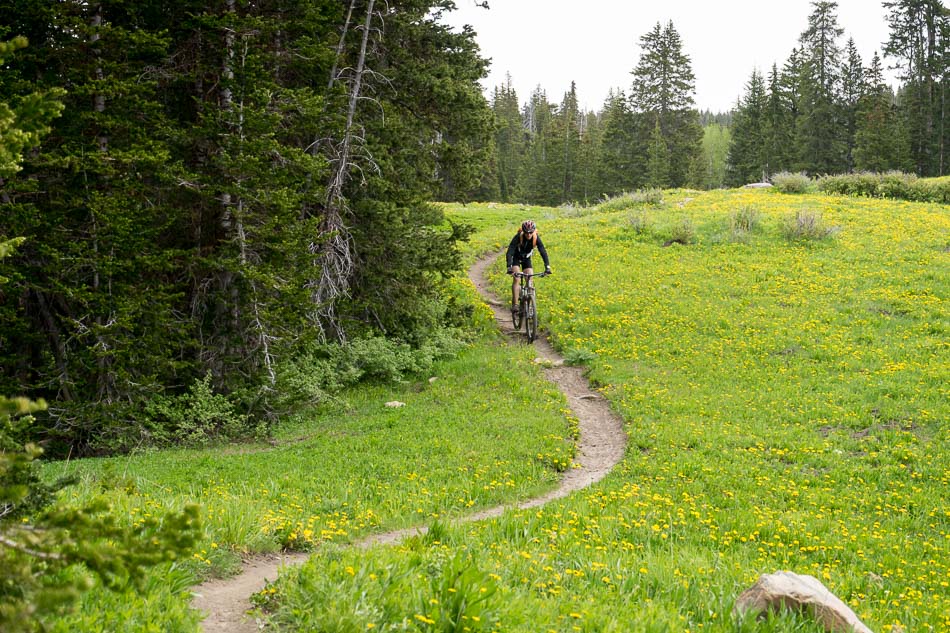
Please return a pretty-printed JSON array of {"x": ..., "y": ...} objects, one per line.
[{"x": 519, "y": 257}]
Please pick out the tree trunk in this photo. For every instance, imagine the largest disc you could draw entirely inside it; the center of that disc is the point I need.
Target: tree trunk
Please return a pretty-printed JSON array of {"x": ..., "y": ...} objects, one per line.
[
  {"x": 335, "y": 254},
  {"x": 105, "y": 379},
  {"x": 341, "y": 44},
  {"x": 55, "y": 343}
]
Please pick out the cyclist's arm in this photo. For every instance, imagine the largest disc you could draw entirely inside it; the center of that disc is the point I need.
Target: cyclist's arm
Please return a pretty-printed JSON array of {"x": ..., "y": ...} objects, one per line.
[
  {"x": 512, "y": 247},
  {"x": 544, "y": 253}
]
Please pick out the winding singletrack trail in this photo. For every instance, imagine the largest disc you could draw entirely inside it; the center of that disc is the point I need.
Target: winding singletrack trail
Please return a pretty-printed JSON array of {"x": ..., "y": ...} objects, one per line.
[{"x": 600, "y": 448}]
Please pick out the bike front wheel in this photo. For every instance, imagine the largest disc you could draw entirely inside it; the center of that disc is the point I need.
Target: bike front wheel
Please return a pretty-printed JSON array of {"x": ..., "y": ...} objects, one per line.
[{"x": 531, "y": 318}]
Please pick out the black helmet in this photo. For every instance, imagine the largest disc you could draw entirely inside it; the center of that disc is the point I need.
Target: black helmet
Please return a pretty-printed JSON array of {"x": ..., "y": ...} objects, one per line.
[{"x": 528, "y": 226}]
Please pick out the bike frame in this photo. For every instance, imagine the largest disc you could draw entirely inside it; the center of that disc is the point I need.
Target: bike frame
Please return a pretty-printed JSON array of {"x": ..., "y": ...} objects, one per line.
[{"x": 527, "y": 305}]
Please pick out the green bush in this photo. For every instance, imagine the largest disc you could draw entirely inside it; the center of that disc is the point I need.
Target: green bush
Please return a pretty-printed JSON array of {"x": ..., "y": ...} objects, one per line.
[
  {"x": 194, "y": 418},
  {"x": 895, "y": 185},
  {"x": 745, "y": 219},
  {"x": 682, "y": 233},
  {"x": 579, "y": 357},
  {"x": 861, "y": 184},
  {"x": 787, "y": 182},
  {"x": 322, "y": 370},
  {"x": 806, "y": 225},
  {"x": 931, "y": 190},
  {"x": 628, "y": 200},
  {"x": 51, "y": 553},
  {"x": 639, "y": 222}
]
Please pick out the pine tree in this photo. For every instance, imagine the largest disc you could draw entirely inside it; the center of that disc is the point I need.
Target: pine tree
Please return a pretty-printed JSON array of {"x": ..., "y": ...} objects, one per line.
[
  {"x": 918, "y": 42},
  {"x": 566, "y": 127},
  {"x": 717, "y": 139},
  {"x": 748, "y": 153},
  {"x": 591, "y": 137},
  {"x": 780, "y": 116},
  {"x": 881, "y": 142},
  {"x": 620, "y": 156},
  {"x": 541, "y": 176},
  {"x": 852, "y": 89},
  {"x": 228, "y": 184},
  {"x": 509, "y": 140},
  {"x": 562, "y": 141},
  {"x": 99, "y": 337},
  {"x": 820, "y": 139},
  {"x": 662, "y": 93}
]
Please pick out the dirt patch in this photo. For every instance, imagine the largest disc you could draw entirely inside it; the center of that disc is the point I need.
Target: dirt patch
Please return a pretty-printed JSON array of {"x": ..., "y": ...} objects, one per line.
[{"x": 600, "y": 447}]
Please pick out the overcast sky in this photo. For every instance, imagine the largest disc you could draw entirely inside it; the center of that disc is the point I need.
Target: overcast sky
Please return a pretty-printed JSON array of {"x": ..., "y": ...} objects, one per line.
[{"x": 596, "y": 43}]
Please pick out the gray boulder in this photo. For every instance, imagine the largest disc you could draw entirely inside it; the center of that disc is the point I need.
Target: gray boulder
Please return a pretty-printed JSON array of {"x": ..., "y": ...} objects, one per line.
[{"x": 785, "y": 590}]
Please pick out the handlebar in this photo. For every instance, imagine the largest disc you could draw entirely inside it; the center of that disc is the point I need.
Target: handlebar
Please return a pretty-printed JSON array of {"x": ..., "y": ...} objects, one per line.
[{"x": 527, "y": 276}]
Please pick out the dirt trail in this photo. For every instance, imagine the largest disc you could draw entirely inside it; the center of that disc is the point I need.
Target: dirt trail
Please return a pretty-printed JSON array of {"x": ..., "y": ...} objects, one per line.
[{"x": 600, "y": 448}]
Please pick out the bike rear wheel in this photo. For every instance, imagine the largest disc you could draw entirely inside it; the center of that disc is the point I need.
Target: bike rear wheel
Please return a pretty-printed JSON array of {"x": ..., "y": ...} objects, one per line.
[
  {"x": 516, "y": 315},
  {"x": 531, "y": 318}
]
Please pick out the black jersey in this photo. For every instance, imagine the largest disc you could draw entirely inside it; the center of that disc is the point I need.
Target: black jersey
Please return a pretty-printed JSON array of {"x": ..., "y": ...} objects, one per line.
[{"x": 521, "y": 249}]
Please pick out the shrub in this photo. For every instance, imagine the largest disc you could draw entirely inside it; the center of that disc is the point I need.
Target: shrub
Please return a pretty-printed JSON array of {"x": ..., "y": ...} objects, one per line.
[
  {"x": 806, "y": 225},
  {"x": 862, "y": 184},
  {"x": 196, "y": 417},
  {"x": 896, "y": 185},
  {"x": 787, "y": 182},
  {"x": 931, "y": 190},
  {"x": 639, "y": 222},
  {"x": 745, "y": 219},
  {"x": 52, "y": 551},
  {"x": 322, "y": 370},
  {"x": 579, "y": 357},
  {"x": 682, "y": 233},
  {"x": 648, "y": 196},
  {"x": 628, "y": 200}
]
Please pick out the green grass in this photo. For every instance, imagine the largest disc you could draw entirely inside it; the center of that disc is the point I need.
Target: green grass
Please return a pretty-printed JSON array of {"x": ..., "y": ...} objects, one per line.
[
  {"x": 488, "y": 430},
  {"x": 787, "y": 407}
]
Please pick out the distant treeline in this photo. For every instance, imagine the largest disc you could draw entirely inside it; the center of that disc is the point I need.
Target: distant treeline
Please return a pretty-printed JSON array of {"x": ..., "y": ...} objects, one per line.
[{"x": 823, "y": 112}]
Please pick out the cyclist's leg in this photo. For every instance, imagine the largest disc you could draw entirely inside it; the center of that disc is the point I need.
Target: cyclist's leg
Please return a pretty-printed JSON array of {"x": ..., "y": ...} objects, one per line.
[{"x": 515, "y": 286}]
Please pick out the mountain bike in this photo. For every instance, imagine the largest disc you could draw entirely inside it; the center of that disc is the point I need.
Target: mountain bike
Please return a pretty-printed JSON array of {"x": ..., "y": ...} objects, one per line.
[{"x": 527, "y": 311}]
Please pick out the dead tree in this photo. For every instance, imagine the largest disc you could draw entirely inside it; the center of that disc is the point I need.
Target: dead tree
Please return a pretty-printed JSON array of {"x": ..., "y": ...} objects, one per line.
[{"x": 334, "y": 251}]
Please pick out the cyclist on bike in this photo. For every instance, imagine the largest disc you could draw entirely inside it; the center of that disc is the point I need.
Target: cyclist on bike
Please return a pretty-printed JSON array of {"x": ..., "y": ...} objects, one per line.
[{"x": 519, "y": 257}]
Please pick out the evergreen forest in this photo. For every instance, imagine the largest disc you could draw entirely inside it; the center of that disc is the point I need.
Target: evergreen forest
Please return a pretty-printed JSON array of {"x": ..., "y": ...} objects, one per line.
[{"x": 231, "y": 189}]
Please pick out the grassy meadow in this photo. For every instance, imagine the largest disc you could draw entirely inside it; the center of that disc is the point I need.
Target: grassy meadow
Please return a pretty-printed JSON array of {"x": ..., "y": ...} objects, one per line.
[
  {"x": 354, "y": 467},
  {"x": 782, "y": 366}
]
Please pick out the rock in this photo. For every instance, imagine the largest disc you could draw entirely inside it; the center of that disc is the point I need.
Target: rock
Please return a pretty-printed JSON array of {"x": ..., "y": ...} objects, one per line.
[
  {"x": 758, "y": 185},
  {"x": 395, "y": 404},
  {"x": 682, "y": 204},
  {"x": 433, "y": 379},
  {"x": 806, "y": 594}
]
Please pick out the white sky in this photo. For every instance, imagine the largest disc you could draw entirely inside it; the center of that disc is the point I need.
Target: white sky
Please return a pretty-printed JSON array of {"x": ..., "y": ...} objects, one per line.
[{"x": 596, "y": 43}]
